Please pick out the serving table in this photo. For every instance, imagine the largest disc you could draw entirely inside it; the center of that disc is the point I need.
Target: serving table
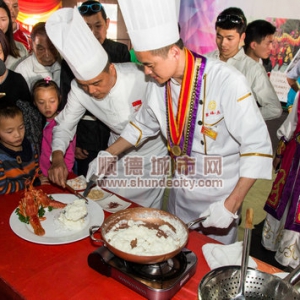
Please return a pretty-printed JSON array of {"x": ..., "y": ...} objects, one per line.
[{"x": 34, "y": 271}]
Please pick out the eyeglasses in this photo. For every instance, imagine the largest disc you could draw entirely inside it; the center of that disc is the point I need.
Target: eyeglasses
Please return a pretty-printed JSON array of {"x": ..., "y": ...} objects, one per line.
[
  {"x": 231, "y": 18},
  {"x": 95, "y": 7}
]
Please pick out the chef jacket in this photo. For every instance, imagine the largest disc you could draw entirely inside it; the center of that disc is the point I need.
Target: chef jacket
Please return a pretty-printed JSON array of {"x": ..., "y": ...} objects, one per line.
[
  {"x": 115, "y": 110},
  {"x": 261, "y": 86},
  {"x": 240, "y": 146}
]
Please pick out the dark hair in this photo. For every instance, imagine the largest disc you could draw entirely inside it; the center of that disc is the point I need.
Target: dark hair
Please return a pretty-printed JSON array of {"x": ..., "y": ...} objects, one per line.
[
  {"x": 10, "y": 111},
  {"x": 257, "y": 30},
  {"x": 45, "y": 83},
  {"x": 163, "y": 52},
  {"x": 38, "y": 28},
  {"x": 14, "y": 51},
  {"x": 90, "y": 12},
  {"x": 228, "y": 24},
  {"x": 4, "y": 44}
]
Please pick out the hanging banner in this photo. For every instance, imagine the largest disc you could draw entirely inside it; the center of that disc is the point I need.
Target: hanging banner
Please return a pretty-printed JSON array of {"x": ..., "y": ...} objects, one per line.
[{"x": 32, "y": 12}]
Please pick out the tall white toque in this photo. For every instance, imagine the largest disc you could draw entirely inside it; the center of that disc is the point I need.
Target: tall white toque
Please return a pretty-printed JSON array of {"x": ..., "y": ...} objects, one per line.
[
  {"x": 151, "y": 24},
  {"x": 76, "y": 43}
]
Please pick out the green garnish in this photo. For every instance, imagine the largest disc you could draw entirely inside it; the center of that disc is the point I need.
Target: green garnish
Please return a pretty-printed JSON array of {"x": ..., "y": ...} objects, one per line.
[
  {"x": 21, "y": 217},
  {"x": 50, "y": 208},
  {"x": 41, "y": 212}
]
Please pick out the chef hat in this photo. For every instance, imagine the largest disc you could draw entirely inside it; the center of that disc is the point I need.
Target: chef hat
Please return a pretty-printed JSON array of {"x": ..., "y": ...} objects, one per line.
[
  {"x": 151, "y": 24},
  {"x": 76, "y": 43}
]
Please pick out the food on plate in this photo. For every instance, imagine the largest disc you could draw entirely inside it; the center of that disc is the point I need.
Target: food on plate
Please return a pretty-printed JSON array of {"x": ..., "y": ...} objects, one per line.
[
  {"x": 113, "y": 205},
  {"x": 95, "y": 194},
  {"x": 32, "y": 206},
  {"x": 140, "y": 238},
  {"x": 72, "y": 217},
  {"x": 78, "y": 183}
]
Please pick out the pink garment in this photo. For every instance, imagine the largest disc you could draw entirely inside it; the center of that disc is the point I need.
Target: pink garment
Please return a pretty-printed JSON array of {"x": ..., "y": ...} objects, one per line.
[{"x": 46, "y": 150}]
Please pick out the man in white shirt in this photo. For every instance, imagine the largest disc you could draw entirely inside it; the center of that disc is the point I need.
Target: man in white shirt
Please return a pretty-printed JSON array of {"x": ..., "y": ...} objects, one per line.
[
  {"x": 259, "y": 41},
  {"x": 230, "y": 34},
  {"x": 44, "y": 61},
  {"x": 216, "y": 135}
]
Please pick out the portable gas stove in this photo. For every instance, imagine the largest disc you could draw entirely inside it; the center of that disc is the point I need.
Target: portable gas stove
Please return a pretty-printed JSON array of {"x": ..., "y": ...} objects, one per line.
[{"x": 156, "y": 281}]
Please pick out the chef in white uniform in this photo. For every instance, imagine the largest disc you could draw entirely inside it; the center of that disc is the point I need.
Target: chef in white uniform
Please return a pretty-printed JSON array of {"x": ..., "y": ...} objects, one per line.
[
  {"x": 112, "y": 92},
  {"x": 229, "y": 142}
]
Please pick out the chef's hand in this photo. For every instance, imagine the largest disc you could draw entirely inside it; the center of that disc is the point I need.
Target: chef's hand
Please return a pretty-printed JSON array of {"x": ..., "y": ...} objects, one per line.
[
  {"x": 58, "y": 171},
  {"x": 81, "y": 153},
  {"x": 99, "y": 165},
  {"x": 219, "y": 216}
]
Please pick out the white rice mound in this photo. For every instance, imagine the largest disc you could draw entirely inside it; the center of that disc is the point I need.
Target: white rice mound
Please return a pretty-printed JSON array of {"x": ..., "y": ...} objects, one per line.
[
  {"x": 72, "y": 217},
  {"x": 140, "y": 240}
]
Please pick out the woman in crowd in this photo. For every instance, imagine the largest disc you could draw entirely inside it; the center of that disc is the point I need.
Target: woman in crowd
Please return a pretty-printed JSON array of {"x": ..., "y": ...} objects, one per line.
[{"x": 17, "y": 50}]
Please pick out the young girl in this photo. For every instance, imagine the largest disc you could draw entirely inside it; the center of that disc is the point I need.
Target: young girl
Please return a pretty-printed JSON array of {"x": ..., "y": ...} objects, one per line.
[
  {"x": 47, "y": 98},
  {"x": 18, "y": 157},
  {"x": 281, "y": 232}
]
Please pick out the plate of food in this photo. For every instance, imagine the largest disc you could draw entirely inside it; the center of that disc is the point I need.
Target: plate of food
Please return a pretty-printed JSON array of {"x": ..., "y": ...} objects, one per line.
[
  {"x": 67, "y": 219},
  {"x": 96, "y": 194},
  {"x": 113, "y": 204},
  {"x": 77, "y": 183}
]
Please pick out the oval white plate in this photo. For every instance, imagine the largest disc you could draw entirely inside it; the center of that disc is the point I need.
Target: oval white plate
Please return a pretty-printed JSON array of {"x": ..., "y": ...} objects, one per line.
[{"x": 55, "y": 234}]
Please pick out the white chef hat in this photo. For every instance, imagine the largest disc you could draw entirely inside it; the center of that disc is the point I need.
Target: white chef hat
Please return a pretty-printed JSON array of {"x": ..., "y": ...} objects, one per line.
[
  {"x": 151, "y": 24},
  {"x": 76, "y": 43}
]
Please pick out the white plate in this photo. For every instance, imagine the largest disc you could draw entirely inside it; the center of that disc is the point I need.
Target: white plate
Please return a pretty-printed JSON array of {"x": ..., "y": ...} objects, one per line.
[
  {"x": 56, "y": 235},
  {"x": 105, "y": 194},
  {"x": 106, "y": 204},
  {"x": 77, "y": 183}
]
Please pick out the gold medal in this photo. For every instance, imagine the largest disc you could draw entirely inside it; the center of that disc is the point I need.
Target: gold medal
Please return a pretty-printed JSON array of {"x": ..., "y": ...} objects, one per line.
[{"x": 176, "y": 150}]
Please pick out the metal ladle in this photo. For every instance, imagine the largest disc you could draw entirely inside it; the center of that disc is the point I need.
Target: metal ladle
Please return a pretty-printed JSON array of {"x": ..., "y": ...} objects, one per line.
[
  {"x": 245, "y": 256},
  {"x": 193, "y": 222}
]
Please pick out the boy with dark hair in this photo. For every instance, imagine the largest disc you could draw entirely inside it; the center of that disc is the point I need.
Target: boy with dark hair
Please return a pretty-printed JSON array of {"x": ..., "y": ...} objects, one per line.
[
  {"x": 259, "y": 39},
  {"x": 230, "y": 35},
  {"x": 18, "y": 157}
]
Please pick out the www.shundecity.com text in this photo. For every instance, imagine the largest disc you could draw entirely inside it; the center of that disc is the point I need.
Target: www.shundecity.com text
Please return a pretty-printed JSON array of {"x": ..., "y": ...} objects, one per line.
[{"x": 138, "y": 182}]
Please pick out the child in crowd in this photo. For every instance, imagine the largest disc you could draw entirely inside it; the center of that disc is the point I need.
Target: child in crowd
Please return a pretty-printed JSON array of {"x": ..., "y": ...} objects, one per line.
[
  {"x": 18, "y": 157},
  {"x": 281, "y": 232},
  {"x": 46, "y": 97}
]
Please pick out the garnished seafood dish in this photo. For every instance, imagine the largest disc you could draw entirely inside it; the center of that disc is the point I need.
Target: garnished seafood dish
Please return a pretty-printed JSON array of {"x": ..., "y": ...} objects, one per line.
[{"x": 31, "y": 209}]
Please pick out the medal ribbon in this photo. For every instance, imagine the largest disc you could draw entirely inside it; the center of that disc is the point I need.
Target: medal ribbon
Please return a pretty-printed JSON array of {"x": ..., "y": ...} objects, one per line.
[
  {"x": 196, "y": 91},
  {"x": 176, "y": 126},
  {"x": 188, "y": 99}
]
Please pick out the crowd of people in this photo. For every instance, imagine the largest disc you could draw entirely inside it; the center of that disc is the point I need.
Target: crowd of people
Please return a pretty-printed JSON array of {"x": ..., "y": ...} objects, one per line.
[{"x": 73, "y": 100}]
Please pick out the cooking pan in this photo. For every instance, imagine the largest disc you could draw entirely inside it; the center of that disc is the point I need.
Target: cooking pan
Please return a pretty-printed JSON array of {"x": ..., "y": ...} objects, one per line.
[
  {"x": 151, "y": 218},
  {"x": 222, "y": 284}
]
